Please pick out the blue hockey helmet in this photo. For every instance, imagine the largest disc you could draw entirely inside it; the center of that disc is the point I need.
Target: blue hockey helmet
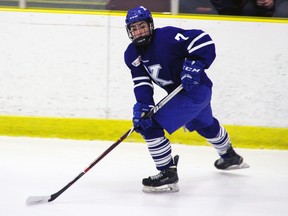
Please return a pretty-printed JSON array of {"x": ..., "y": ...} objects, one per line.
[{"x": 136, "y": 15}]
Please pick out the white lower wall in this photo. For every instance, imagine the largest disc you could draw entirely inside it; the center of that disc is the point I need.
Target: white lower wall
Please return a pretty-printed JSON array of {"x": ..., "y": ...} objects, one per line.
[{"x": 72, "y": 65}]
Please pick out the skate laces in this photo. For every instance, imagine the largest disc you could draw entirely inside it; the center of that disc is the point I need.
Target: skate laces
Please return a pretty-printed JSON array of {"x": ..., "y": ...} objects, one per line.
[
  {"x": 172, "y": 168},
  {"x": 157, "y": 176},
  {"x": 162, "y": 173}
]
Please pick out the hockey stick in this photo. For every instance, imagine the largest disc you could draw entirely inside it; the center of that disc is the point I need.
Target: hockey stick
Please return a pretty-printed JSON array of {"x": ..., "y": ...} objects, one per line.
[{"x": 33, "y": 200}]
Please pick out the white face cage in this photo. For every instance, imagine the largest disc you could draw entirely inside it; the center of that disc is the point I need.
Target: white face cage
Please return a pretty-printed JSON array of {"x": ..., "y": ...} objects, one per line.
[{"x": 142, "y": 40}]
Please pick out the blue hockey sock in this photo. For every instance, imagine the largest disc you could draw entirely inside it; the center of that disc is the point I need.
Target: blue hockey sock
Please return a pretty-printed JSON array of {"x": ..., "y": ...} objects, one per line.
[
  {"x": 221, "y": 142},
  {"x": 160, "y": 150}
]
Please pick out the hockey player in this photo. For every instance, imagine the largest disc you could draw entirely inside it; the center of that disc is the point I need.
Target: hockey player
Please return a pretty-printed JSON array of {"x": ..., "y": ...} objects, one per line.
[{"x": 169, "y": 57}]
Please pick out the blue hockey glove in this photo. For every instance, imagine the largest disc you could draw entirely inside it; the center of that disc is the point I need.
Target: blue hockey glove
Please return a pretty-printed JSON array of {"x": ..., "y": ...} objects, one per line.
[
  {"x": 141, "y": 124},
  {"x": 191, "y": 74}
]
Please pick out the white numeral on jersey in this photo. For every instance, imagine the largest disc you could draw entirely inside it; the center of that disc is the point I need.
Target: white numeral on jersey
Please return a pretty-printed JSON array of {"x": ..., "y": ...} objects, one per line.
[{"x": 180, "y": 36}]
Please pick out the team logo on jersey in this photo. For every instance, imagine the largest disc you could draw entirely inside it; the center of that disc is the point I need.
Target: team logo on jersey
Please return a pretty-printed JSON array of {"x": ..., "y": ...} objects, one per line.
[{"x": 153, "y": 71}]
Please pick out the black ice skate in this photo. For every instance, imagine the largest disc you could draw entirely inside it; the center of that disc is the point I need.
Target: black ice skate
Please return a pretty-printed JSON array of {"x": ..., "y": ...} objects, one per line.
[
  {"x": 165, "y": 181},
  {"x": 231, "y": 160}
]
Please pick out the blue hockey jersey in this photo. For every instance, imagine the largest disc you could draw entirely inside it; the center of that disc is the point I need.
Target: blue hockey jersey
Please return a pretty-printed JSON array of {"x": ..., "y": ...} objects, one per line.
[{"x": 162, "y": 61}]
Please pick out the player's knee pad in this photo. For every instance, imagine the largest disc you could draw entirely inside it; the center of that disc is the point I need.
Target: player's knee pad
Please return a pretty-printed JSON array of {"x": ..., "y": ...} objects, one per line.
[
  {"x": 153, "y": 132},
  {"x": 211, "y": 131}
]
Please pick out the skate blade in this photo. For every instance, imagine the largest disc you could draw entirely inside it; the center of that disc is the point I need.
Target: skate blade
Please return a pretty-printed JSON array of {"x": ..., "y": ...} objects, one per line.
[
  {"x": 169, "y": 188},
  {"x": 243, "y": 165}
]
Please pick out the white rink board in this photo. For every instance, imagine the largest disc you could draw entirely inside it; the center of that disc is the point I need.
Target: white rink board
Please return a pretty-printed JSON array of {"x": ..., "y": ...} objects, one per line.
[{"x": 70, "y": 65}]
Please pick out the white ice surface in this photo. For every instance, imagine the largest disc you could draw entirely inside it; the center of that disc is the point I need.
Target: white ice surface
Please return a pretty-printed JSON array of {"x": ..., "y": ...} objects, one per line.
[{"x": 32, "y": 166}]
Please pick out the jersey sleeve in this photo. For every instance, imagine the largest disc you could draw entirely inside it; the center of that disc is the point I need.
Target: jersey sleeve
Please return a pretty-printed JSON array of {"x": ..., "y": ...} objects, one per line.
[{"x": 143, "y": 87}]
